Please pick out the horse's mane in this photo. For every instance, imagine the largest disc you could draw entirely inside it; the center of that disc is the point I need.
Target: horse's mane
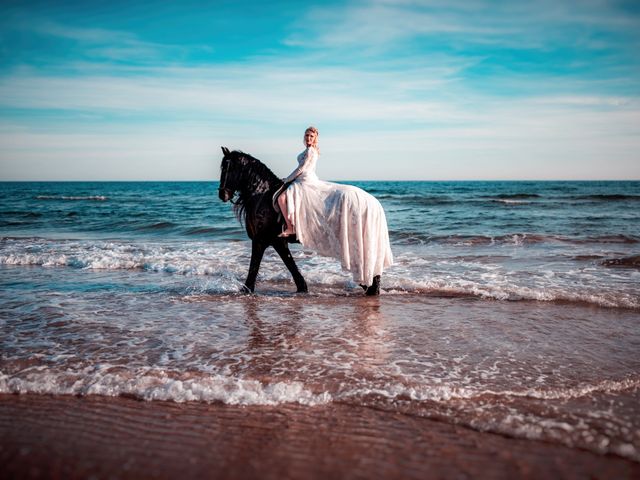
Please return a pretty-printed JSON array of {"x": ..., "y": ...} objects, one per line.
[
  {"x": 260, "y": 181},
  {"x": 259, "y": 169}
]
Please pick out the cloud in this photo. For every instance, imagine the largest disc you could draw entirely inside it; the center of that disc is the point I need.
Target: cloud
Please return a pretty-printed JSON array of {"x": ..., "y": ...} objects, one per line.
[
  {"x": 374, "y": 26},
  {"x": 524, "y": 141},
  {"x": 85, "y": 35},
  {"x": 392, "y": 109},
  {"x": 283, "y": 94},
  {"x": 250, "y": 92},
  {"x": 101, "y": 44},
  {"x": 543, "y": 137}
]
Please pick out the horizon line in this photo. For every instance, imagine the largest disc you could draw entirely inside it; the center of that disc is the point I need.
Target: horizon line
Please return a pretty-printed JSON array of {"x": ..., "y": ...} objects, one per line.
[{"x": 336, "y": 181}]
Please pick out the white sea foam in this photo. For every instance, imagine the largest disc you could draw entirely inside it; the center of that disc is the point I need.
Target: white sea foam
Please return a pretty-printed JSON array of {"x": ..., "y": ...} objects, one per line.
[
  {"x": 413, "y": 272},
  {"x": 468, "y": 406},
  {"x": 150, "y": 384},
  {"x": 443, "y": 393},
  {"x": 510, "y": 290},
  {"x": 155, "y": 384},
  {"x": 460, "y": 404},
  {"x": 509, "y": 201},
  {"x": 201, "y": 259},
  {"x": 605, "y": 386},
  {"x": 99, "y": 198}
]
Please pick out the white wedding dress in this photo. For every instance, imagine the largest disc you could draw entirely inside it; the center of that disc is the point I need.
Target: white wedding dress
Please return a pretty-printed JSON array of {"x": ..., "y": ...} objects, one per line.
[{"x": 340, "y": 221}]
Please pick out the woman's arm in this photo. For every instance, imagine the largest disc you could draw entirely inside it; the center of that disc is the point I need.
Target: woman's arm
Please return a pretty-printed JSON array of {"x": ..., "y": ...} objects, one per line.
[{"x": 310, "y": 157}]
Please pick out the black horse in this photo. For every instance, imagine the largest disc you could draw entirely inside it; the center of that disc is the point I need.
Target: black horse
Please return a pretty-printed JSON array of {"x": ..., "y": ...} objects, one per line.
[{"x": 256, "y": 185}]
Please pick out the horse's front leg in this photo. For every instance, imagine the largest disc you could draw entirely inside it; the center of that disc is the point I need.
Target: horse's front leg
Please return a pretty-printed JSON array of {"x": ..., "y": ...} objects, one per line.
[
  {"x": 282, "y": 248},
  {"x": 257, "y": 251}
]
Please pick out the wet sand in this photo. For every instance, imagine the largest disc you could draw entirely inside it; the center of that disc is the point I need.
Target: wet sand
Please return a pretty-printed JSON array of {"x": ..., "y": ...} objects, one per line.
[{"x": 101, "y": 437}]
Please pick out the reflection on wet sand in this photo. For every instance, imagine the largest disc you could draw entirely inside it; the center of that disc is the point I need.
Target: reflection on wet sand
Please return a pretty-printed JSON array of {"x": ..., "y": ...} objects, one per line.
[
  {"x": 366, "y": 330},
  {"x": 349, "y": 339},
  {"x": 270, "y": 338}
]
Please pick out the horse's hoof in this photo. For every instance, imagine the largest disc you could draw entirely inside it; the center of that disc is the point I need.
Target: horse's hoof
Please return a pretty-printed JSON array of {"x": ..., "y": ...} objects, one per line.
[
  {"x": 374, "y": 289},
  {"x": 245, "y": 289}
]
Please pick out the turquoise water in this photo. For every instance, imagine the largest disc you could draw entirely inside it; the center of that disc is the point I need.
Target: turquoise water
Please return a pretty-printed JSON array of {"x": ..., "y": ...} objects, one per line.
[
  {"x": 567, "y": 241},
  {"x": 416, "y": 211},
  {"x": 512, "y": 307}
]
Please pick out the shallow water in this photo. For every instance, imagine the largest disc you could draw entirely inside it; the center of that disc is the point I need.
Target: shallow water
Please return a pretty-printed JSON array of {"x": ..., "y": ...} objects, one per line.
[
  {"x": 549, "y": 241},
  {"x": 512, "y": 307}
]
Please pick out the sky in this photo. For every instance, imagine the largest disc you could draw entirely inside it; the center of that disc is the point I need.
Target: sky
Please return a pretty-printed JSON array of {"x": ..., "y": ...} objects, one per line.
[{"x": 399, "y": 90}]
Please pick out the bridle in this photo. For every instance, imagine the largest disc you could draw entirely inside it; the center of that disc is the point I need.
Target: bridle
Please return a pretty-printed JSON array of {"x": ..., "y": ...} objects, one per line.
[{"x": 223, "y": 183}]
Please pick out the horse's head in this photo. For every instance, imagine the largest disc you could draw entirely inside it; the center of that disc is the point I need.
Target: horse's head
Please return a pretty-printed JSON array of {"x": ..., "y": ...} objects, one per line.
[{"x": 231, "y": 170}]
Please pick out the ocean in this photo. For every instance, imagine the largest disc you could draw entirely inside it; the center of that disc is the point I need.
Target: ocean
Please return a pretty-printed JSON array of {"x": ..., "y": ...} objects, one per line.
[{"x": 512, "y": 307}]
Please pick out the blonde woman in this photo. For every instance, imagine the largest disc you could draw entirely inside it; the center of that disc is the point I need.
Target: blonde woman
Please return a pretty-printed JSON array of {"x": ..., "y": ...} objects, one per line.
[
  {"x": 304, "y": 173},
  {"x": 340, "y": 221}
]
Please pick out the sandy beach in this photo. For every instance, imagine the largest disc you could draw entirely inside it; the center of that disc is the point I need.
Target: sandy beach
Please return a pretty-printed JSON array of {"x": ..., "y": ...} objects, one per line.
[{"x": 98, "y": 437}]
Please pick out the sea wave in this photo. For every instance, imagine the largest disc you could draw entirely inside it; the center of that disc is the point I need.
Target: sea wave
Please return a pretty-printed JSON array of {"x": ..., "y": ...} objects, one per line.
[
  {"x": 459, "y": 287},
  {"x": 418, "y": 199},
  {"x": 511, "y": 201},
  {"x": 147, "y": 383},
  {"x": 509, "y": 412},
  {"x": 405, "y": 237},
  {"x": 21, "y": 213},
  {"x": 151, "y": 384},
  {"x": 608, "y": 197},
  {"x": 96, "y": 198},
  {"x": 632, "y": 261},
  {"x": 444, "y": 393},
  {"x": 418, "y": 238},
  {"x": 477, "y": 273},
  {"x": 508, "y": 198},
  {"x": 204, "y": 260},
  {"x": 515, "y": 413},
  {"x": 158, "y": 226},
  {"x": 517, "y": 196}
]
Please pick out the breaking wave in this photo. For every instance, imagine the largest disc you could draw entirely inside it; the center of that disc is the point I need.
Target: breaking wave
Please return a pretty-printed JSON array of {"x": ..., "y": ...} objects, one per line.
[
  {"x": 96, "y": 198},
  {"x": 149, "y": 384},
  {"x": 225, "y": 264},
  {"x": 477, "y": 408}
]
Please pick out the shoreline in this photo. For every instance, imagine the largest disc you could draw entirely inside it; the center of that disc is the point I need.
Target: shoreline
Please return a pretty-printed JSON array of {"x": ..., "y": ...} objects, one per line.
[{"x": 43, "y": 436}]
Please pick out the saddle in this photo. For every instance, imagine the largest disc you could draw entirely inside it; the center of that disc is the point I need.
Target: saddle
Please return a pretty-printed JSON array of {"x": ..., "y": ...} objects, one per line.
[{"x": 274, "y": 199}]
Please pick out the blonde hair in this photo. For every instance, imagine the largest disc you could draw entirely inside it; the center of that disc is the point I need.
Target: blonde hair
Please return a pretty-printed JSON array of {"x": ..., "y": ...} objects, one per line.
[{"x": 315, "y": 143}]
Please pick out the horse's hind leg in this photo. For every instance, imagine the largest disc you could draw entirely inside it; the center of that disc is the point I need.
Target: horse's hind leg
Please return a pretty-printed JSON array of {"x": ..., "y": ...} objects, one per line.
[
  {"x": 374, "y": 289},
  {"x": 257, "y": 251},
  {"x": 282, "y": 248}
]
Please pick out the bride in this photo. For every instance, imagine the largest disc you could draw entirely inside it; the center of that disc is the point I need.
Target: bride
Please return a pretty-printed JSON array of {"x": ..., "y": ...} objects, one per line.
[{"x": 340, "y": 221}]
